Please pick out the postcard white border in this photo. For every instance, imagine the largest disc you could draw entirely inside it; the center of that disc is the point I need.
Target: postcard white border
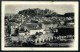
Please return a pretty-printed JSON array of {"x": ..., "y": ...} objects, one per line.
[{"x": 75, "y": 45}]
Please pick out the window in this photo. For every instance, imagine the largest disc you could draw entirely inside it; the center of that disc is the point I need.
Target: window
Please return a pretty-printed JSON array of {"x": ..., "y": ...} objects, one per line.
[{"x": 37, "y": 41}]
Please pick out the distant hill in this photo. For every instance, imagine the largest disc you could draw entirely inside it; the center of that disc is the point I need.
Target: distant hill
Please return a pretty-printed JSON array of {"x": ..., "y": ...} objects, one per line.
[
  {"x": 46, "y": 13},
  {"x": 38, "y": 12}
]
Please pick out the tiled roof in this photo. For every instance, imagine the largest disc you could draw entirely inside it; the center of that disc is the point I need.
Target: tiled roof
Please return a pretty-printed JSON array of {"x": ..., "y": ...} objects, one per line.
[
  {"x": 13, "y": 24},
  {"x": 32, "y": 26},
  {"x": 21, "y": 31}
]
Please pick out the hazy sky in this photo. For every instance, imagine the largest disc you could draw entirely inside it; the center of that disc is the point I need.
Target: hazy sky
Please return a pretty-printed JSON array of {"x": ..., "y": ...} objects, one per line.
[{"x": 61, "y": 9}]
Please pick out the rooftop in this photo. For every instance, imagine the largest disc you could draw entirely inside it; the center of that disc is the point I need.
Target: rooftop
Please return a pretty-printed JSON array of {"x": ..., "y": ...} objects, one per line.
[
  {"x": 13, "y": 24},
  {"x": 32, "y": 26}
]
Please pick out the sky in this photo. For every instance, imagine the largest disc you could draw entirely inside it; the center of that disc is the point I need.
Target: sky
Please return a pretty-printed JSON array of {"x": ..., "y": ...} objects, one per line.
[{"x": 61, "y": 9}]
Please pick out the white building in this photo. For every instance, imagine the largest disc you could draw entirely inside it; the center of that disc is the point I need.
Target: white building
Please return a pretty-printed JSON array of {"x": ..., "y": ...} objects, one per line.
[
  {"x": 32, "y": 32},
  {"x": 22, "y": 33},
  {"x": 43, "y": 38},
  {"x": 33, "y": 28},
  {"x": 46, "y": 27}
]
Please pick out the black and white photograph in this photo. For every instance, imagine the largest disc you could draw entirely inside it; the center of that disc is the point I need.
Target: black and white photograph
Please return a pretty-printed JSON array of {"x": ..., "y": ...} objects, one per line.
[{"x": 40, "y": 25}]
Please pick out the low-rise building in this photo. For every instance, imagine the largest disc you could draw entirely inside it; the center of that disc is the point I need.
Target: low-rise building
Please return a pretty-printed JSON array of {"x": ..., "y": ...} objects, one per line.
[
  {"x": 47, "y": 26},
  {"x": 32, "y": 28},
  {"x": 13, "y": 27}
]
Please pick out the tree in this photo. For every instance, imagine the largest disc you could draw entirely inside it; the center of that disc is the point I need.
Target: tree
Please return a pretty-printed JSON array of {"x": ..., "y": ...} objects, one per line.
[
  {"x": 8, "y": 30},
  {"x": 22, "y": 29},
  {"x": 36, "y": 33},
  {"x": 39, "y": 33},
  {"x": 16, "y": 32},
  {"x": 33, "y": 37}
]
